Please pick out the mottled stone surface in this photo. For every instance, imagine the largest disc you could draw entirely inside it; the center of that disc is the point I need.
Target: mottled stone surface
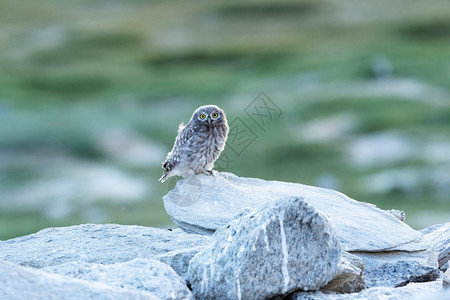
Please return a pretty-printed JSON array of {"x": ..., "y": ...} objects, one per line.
[
  {"x": 400, "y": 274},
  {"x": 104, "y": 244},
  {"x": 18, "y": 283},
  {"x": 279, "y": 248},
  {"x": 394, "y": 268},
  {"x": 141, "y": 274}
]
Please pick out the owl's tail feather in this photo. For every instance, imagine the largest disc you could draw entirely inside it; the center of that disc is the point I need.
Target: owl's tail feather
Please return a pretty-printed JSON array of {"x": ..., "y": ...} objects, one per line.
[{"x": 163, "y": 177}]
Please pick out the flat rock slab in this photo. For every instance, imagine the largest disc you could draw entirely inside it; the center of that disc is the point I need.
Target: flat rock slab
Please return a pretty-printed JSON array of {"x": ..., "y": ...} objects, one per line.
[
  {"x": 203, "y": 203},
  {"x": 282, "y": 247},
  {"x": 140, "y": 274},
  {"x": 17, "y": 283},
  {"x": 439, "y": 238},
  {"x": 104, "y": 244}
]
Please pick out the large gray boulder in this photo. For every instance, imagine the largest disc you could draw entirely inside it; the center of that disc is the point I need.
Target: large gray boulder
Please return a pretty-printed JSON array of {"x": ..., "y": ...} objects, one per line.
[
  {"x": 203, "y": 203},
  {"x": 103, "y": 244},
  {"x": 282, "y": 247},
  {"x": 144, "y": 274},
  {"x": 17, "y": 283},
  {"x": 439, "y": 238}
]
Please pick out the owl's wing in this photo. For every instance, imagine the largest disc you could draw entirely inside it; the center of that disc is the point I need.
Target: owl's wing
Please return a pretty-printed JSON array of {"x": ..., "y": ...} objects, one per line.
[{"x": 185, "y": 133}]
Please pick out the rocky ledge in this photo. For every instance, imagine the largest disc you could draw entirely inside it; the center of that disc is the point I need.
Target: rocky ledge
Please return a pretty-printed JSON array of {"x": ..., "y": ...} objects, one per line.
[{"x": 240, "y": 238}]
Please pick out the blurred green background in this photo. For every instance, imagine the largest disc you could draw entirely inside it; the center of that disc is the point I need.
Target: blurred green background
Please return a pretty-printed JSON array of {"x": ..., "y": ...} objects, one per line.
[{"x": 92, "y": 92}]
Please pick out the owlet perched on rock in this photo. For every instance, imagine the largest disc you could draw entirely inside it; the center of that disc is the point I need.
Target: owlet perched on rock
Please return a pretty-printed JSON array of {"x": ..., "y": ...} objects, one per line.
[{"x": 198, "y": 144}]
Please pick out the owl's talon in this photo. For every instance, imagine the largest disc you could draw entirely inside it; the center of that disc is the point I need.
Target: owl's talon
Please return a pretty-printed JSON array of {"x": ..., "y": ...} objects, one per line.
[
  {"x": 206, "y": 172},
  {"x": 210, "y": 172}
]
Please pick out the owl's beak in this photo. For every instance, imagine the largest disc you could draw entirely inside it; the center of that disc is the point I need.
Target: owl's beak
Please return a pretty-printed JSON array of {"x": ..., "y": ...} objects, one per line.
[{"x": 209, "y": 120}]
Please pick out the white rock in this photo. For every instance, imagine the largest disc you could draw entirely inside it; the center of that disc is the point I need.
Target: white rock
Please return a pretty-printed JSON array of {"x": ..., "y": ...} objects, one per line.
[
  {"x": 17, "y": 283},
  {"x": 204, "y": 203},
  {"x": 103, "y": 244},
  {"x": 139, "y": 274},
  {"x": 439, "y": 237}
]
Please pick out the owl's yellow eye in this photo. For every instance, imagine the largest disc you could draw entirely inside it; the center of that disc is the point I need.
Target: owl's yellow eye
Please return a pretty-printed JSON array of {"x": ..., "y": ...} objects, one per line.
[
  {"x": 215, "y": 115},
  {"x": 202, "y": 116}
]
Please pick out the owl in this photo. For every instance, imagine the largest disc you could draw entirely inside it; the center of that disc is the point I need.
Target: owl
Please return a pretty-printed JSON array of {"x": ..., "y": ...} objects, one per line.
[{"x": 198, "y": 144}]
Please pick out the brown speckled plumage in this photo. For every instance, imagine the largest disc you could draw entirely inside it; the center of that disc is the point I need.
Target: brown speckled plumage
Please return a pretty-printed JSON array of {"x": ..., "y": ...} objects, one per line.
[{"x": 198, "y": 144}]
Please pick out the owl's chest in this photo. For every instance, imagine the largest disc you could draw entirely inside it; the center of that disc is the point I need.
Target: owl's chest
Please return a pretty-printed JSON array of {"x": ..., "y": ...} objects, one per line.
[{"x": 207, "y": 138}]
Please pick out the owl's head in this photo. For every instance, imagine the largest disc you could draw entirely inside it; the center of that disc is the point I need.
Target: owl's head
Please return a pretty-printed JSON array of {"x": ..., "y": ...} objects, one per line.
[{"x": 210, "y": 115}]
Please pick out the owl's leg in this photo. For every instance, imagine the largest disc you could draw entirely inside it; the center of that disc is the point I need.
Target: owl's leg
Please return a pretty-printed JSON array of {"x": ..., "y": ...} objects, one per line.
[{"x": 207, "y": 172}]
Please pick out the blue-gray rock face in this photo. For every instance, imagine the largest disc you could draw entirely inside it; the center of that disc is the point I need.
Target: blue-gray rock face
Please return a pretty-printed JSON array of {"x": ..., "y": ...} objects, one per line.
[
  {"x": 202, "y": 204},
  {"x": 279, "y": 248},
  {"x": 400, "y": 274},
  {"x": 141, "y": 274},
  {"x": 103, "y": 244},
  {"x": 395, "y": 268},
  {"x": 17, "y": 283}
]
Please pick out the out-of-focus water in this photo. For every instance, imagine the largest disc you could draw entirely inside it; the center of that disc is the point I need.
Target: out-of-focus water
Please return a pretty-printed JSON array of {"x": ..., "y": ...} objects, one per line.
[{"x": 356, "y": 98}]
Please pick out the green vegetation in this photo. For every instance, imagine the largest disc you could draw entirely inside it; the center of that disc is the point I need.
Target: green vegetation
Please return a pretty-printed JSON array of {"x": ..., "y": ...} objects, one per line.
[{"x": 76, "y": 77}]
